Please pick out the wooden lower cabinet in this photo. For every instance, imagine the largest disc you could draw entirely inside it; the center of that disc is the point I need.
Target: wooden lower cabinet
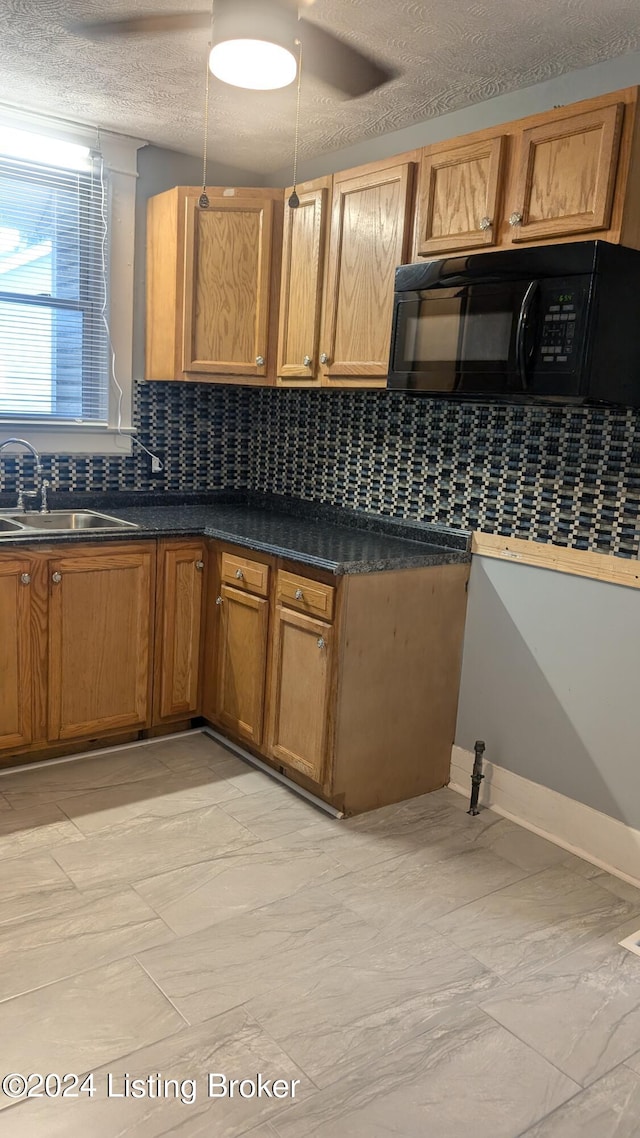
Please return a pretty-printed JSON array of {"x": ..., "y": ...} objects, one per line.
[
  {"x": 241, "y": 662},
  {"x": 100, "y": 640},
  {"x": 300, "y": 690},
  {"x": 16, "y": 686},
  {"x": 179, "y": 619}
]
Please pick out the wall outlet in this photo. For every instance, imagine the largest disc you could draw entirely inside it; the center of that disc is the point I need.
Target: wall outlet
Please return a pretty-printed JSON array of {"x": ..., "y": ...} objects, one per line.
[{"x": 156, "y": 465}]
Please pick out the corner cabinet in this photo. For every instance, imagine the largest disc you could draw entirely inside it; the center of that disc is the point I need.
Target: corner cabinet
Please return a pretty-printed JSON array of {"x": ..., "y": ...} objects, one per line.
[
  {"x": 212, "y": 278},
  {"x": 180, "y": 595},
  {"x": 17, "y": 611}
]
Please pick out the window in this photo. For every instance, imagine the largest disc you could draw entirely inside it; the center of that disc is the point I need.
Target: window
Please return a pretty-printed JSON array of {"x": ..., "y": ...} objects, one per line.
[
  {"x": 65, "y": 384},
  {"x": 53, "y": 291}
]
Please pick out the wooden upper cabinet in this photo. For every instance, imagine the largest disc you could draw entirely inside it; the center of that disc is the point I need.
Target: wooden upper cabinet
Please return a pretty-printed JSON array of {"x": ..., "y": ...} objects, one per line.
[
  {"x": 227, "y": 280},
  {"x": 303, "y": 264},
  {"x": 16, "y": 676},
  {"x": 565, "y": 175},
  {"x": 179, "y": 615},
  {"x": 459, "y": 197},
  {"x": 371, "y": 227},
  {"x": 101, "y": 604}
]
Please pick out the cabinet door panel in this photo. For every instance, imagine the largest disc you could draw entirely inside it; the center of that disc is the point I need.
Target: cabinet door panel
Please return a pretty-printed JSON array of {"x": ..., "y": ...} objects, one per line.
[
  {"x": 301, "y": 290},
  {"x": 370, "y": 233},
  {"x": 300, "y": 689},
  {"x": 180, "y": 597},
  {"x": 566, "y": 175},
  {"x": 100, "y": 637},
  {"x": 16, "y": 696},
  {"x": 459, "y": 197},
  {"x": 241, "y": 664},
  {"x": 227, "y": 273}
]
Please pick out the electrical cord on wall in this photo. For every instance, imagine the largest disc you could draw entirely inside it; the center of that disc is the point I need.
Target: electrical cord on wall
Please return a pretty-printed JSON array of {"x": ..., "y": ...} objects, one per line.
[{"x": 156, "y": 464}]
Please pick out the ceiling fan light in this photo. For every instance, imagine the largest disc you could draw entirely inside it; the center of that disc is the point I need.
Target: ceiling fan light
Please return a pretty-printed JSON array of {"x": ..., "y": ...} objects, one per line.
[{"x": 256, "y": 64}]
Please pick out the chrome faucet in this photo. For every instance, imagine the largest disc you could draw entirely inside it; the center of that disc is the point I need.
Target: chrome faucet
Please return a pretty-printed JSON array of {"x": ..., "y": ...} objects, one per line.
[{"x": 39, "y": 483}]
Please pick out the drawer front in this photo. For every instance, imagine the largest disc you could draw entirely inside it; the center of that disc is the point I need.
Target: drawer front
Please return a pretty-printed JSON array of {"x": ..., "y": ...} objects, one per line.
[
  {"x": 243, "y": 573},
  {"x": 306, "y": 596}
]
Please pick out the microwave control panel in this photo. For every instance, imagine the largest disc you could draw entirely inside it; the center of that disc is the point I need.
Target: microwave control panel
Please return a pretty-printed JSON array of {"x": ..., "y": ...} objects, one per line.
[{"x": 559, "y": 318}]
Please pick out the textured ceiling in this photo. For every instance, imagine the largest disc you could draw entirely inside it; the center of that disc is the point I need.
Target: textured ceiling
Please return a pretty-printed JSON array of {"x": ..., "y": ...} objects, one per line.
[{"x": 451, "y": 53}]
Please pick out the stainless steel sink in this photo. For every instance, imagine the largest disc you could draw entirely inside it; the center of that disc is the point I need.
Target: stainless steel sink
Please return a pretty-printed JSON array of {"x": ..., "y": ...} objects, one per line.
[{"x": 60, "y": 521}]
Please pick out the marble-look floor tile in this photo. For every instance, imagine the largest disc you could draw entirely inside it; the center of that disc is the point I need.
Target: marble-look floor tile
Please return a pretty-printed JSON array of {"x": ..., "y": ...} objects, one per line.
[
  {"x": 35, "y": 829},
  {"x": 232, "y": 1044},
  {"x": 221, "y": 967},
  {"x": 406, "y": 889},
  {"x": 161, "y": 797},
  {"x": 341, "y": 1018},
  {"x": 525, "y": 926},
  {"x": 188, "y": 752},
  {"x": 56, "y": 782},
  {"x": 133, "y": 851},
  {"x": 522, "y": 847},
  {"x": 581, "y": 1012},
  {"x": 4, "y": 805},
  {"x": 273, "y": 811},
  {"x": 86, "y": 931},
  {"x": 464, "y": 1075},
  {"x": 200, "y": 895},
  {"x": 609, "y": 1108},
  {"x": 82, "y": 1022},
  {"x": 35, "y": 883}
]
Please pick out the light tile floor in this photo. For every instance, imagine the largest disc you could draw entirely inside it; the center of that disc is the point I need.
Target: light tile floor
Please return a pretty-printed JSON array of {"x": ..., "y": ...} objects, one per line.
[{"x": 167, "y": 911}]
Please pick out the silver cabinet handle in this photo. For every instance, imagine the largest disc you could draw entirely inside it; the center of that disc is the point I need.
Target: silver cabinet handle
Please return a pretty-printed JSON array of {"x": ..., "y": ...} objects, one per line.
[
  {"x": 25, "y": 578},
  {"x": 307, "y": 361},
  {"x": 324, "y": 359},
  {"x": 260, "y": 361},
  {"x": 485, "y": 223},
  {"x": 218, "y": 600},
  {"x": 299, "y": 594},
  {"x": 199, "y": 566},
  {"x": 515, "y": 219},
  {"x": 322, "y": 642},
  {"x": 239, "y": 575},
  {"x": 56, "y": 578}
]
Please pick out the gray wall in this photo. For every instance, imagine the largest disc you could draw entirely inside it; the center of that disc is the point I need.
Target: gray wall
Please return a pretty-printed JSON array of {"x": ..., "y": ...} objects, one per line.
[
  {"x": 550, "y": 681},
  {"x": 160, "y": 170},
  {"x": 569, "y": 88}
]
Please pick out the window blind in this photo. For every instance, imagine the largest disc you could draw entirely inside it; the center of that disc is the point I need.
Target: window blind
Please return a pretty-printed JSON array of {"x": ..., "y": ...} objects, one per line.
[{"x": 54, "y": 350}]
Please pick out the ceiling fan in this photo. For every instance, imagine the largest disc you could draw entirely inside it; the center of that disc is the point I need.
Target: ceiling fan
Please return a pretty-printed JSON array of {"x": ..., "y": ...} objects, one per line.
[{"x": 274, "y": 29}]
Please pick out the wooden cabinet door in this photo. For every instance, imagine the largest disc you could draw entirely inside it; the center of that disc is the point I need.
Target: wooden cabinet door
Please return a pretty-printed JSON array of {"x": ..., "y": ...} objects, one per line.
[
  {"x": 227, "y": 279},
  {"x": 303, "y": 258},
  {"x": 16, "y": 688},
  {"x": 370, "y": 237},
  {"x": 100, "y": 639},
  {"x": 566, "y": 175},
  {"x": 241, "y": 662},
  {"x": 459, "y": 197},
  {"x": 180, "y": 595},
  {"x": 300, "y": 690}
]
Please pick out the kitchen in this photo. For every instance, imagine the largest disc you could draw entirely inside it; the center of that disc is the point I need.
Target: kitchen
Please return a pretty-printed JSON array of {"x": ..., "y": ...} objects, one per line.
[{"x": 550, "y": 493}]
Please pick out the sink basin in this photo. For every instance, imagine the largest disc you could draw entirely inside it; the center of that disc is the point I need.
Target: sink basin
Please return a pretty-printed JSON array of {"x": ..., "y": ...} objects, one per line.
[{"x": 61, "y": 521}]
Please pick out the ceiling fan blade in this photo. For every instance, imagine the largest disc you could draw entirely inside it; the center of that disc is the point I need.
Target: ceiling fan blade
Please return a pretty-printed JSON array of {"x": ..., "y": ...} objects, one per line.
[
  {"x": 161, "y": 22},
  {"x": 336, "y": 63}
]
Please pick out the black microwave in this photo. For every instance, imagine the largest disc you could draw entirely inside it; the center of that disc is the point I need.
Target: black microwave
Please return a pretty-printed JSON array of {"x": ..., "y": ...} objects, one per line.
[{"x": 554, "y": 322}]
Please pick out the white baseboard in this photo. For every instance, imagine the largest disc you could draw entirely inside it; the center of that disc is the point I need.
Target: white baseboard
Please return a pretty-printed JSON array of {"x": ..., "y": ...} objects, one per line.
[{"x": 596, "y": 837}]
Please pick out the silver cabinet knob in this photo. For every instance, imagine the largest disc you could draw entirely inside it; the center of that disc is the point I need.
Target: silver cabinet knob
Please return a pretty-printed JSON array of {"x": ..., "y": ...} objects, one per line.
[
  {"x": 218, "y": 600},
  {"x": 307, "y": 361},
  {"x": 322, "y": 642},
  {"x": 324, "y": 359},
  {"x": 260, "y": 361},
  {"x": 199, "y": 566},
  {"x": 299, "y": 594},
  {"x": 25, "y": 578},
  {"x": 515, "y": 219},
  {"x": 239, "y": 574},
  {"x": 485, "y": 223},
  {"x": 56, "y": 578}
]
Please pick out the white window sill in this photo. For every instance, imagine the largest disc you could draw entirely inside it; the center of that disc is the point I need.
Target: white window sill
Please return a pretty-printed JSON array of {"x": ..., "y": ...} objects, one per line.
[{"x": 67, "y": 438}]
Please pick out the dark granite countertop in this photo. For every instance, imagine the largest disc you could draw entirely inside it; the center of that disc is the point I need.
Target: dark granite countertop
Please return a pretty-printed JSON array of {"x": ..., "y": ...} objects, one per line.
[{"x": 342, "y": 541}]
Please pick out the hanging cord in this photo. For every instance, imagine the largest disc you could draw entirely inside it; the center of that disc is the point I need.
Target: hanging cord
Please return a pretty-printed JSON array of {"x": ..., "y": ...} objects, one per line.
[
  {"x": 294, "y": 200},
  {"x": 203, "y": 200}
]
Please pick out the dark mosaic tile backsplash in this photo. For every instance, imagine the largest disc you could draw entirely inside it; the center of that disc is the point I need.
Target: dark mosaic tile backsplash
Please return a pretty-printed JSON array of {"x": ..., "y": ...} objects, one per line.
[{"x": 561, "y": 474}]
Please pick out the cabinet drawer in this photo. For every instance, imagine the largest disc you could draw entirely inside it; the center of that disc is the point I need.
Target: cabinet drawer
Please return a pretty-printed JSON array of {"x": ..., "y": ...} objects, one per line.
[
  {"x": 244, "y": 573},
  {"x": 307, "y": 596}
]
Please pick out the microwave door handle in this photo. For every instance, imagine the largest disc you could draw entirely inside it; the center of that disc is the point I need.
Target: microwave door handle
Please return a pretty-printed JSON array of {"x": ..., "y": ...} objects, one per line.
[{"x": 521, "y": 332}]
